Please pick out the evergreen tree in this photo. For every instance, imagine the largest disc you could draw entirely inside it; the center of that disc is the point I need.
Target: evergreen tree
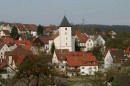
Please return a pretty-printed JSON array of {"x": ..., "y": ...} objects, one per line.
[
  {"x": 40, "y": 30},
  {"x": 52, "y": 48},
  {"x": 77, "y": 47},
  {"x": 14, "y": 33}
]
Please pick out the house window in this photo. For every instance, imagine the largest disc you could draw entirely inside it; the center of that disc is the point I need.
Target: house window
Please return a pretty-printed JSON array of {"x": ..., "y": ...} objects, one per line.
[
  {"x": 82, "y": 67},
  {"x": 65, "y": 28},
  {"x": 82, "y": 72},
  {"x": 62, "y": 66},
  {"x": 95, "y": 68},
  {"x": 66, "y": 38},
  {"x": 88, "y": 44},
  {"x": 90, "y": 67},
  {"x": 66, "y": 44}
]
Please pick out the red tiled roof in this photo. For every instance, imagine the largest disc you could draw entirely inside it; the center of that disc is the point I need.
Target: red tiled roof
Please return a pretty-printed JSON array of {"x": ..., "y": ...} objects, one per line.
[
  {"x": 82, "y": 37},
  {"x": 7, "y": 40},
  {"x": 60, "y": 53},
  {"x": 31, "y": 27},
  {"x": 18, "y": 59},
  {"x": 19, "y": 42},
  {"x": 82, "y": 60},
  {"x": 44, "y": 39},
  {"x": 20, "y": 26},
  {"x": 127, "y": 51},
  {"x": 27, "y": 47}
]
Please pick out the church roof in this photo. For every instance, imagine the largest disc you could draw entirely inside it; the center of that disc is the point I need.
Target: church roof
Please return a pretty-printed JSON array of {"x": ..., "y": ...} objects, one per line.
[{"x": 65, "y": 22}]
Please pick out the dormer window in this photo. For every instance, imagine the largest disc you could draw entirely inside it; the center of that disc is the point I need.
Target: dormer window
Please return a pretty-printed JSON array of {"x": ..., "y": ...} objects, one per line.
[{"x": 65, "y": 28}]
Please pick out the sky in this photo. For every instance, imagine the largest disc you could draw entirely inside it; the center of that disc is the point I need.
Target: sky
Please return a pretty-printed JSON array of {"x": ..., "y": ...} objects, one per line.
[{"x": 46, "y": 12}]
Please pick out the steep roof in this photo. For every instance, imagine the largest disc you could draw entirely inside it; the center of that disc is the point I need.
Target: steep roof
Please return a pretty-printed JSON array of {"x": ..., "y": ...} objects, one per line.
[
  {"x": 19, "y": 42},
  {"x": 61, "y": 54},
  {"x": 7, "y": 40},
  {"x": 118, "y": 54},
  {"x": 65, "y": 23},
  {"x": 6, "y": 32},
  {"x": 82, "y": 37}
]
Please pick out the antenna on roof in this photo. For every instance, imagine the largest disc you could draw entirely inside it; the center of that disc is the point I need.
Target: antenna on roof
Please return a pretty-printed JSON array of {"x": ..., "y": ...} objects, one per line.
[
  {"x": 64, "y": 12},
  {"x": 83, "y": 20}
]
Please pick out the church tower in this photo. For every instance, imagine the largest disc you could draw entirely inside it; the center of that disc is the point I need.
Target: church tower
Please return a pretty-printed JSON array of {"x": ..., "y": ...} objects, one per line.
[{"x": 65, "y": 35}]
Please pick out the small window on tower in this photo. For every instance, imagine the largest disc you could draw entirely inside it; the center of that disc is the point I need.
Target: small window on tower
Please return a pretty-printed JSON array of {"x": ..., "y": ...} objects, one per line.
[
  {"x": 65, "y": 33},
  {"x": 66, "y": 38},
  {"x": 65, "y": 28}
]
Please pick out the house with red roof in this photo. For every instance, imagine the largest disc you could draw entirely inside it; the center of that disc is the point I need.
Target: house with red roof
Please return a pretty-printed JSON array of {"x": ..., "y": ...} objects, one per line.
[
  {"x": 85, "y": 64},
  {"x": 42, "y": 42},
  {"x": 5, "y": 26},
  {"x": 114, "y": 57},
  {"x": 4, "y": 33},
  {"x": 127, "y": 51},
  {"x": 4, "y": 61},
  {"x": 75, "y": 62},
  {"x": 59, "y": 59},
  {"x": 26, "y": 28},
  {"x": 31, "y": 29},
  {"x": 84, "y": 41},
  {"x": 22, "y": 42}
]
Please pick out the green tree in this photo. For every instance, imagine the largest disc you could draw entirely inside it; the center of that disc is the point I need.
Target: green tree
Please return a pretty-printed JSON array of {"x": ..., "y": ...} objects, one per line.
[
  {"x": 77, "y": 47},
  {"x": 97, "y": 52},
  {"x": 35, "y": 70},
  {"x": 14, "y": 33},
  {"x": 52, "y": 48},
  {"x": 40, "y": 30}
]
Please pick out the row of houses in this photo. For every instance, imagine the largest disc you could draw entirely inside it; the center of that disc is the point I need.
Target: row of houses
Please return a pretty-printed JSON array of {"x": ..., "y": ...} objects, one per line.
[
  {"x": 65, "y": 58},
  {"x": 22, "y": 28}
]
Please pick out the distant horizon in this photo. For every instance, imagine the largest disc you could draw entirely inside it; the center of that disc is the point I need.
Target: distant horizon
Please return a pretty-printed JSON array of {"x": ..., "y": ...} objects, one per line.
[
  {"x": 59, "y": 24},
  {"x": 47, "y": 12}
]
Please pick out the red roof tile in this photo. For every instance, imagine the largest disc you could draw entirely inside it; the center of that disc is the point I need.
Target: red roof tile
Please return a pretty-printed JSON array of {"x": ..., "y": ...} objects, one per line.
[
  {"x": 31, "y": 27},
  {"x": 27, "y": 47},
  {"x": 7, "y": 40},
  {"x": 20, "y": 26},
  {"x": 19, "y": 42},
  {"x": 127, "y": 51},
  {"x": 44, "y": 39},
  {"x": 82, "y": 37},
  {"x": 82, "y": 60},
  {"x": 60, "y": 53}
]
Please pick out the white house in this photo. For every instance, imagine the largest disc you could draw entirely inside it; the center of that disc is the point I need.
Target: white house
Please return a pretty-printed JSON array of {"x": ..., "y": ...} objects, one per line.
[
  {"x": 59, "y": 59},
  {"x": 98, "y": 40},
  {"x": 114, "y": 57},
  {"x": 3, "y": 48},
  {"x": 63, "y": 39},
  {"x": 85, "y": 42}
]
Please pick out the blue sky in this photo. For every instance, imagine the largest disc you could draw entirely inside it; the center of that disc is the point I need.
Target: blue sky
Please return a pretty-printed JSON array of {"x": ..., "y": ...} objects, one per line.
[{"x": 46, "y": 12}]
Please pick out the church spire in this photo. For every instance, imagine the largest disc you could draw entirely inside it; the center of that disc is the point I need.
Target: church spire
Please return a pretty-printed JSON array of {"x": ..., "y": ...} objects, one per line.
[{"x": 65, "y": 22}]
